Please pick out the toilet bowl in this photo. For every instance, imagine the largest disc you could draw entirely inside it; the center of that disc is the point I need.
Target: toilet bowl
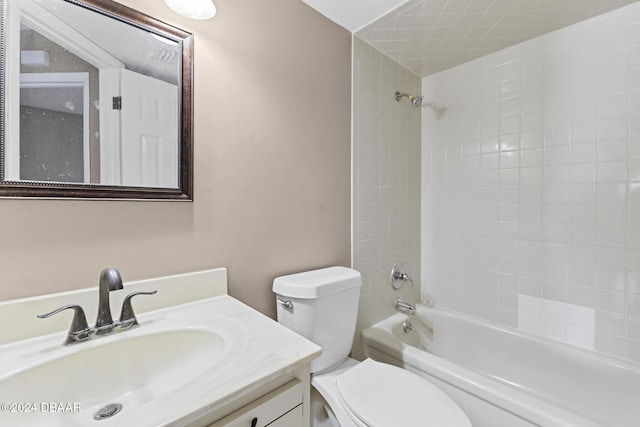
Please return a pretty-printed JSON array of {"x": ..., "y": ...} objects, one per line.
[{"x": 322, "y": 306}]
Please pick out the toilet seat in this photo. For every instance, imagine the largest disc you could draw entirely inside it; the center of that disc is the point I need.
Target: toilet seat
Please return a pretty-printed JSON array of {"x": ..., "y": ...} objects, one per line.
[
  {"x": 378, "y": 394},
  {"x": 374, "y": 394}
]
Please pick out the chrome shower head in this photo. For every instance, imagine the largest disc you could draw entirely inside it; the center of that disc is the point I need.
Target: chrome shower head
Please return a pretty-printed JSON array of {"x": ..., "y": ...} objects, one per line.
[{"x": 416, "y": 101}]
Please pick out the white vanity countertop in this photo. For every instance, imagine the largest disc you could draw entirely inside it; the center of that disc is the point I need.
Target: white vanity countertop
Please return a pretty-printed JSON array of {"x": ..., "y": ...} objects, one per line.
[
  {"x": 250, "y": 352},
  {"x": 271, "y": 351}
]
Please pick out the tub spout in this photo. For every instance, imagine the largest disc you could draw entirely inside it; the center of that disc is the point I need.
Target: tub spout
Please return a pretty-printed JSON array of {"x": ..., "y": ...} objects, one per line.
[{"x": 405, "y": 306}]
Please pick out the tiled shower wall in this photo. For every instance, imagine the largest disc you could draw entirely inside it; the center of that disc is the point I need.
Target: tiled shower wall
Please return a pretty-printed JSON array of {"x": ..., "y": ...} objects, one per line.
[
  {"x": 531, "y": 185},
  {"x": 386, "y": 182}
]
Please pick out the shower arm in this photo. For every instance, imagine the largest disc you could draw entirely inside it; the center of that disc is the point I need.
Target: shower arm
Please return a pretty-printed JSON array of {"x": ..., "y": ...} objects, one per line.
[
  {"x": 416, "y": 101},
  {"x": 400, "y": 95}
]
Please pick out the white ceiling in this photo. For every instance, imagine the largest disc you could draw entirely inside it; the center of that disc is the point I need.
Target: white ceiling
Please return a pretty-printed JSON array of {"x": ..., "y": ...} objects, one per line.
[
  {"x": 354, "y": 14},
  {"x": 427, "y": 36}
]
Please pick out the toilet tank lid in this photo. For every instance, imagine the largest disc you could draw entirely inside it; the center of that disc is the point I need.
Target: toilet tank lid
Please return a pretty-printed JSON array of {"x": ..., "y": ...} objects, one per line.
[{"x": 317, "y": 283}]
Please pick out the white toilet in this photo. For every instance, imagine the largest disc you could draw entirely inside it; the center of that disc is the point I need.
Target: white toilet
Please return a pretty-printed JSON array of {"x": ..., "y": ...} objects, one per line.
[{"x": 322, "y": 306}]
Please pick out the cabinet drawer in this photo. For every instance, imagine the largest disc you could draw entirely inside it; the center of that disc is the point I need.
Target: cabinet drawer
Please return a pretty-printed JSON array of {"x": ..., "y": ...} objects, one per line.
[
  {"x": 267, "y": 409},
  {"x": 293, "y": 418}
]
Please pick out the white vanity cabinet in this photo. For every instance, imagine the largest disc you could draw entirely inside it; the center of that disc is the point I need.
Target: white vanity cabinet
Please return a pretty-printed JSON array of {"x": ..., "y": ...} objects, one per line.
[{"x": 279, "y": 408}]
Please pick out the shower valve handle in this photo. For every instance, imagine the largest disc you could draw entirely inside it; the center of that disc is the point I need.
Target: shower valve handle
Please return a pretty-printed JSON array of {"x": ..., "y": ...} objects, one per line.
[{"x": 399, "y": 276}]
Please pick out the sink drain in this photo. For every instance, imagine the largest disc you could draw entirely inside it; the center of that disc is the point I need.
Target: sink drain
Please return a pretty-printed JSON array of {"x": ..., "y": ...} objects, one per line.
[{"x": 107, "y": 411}]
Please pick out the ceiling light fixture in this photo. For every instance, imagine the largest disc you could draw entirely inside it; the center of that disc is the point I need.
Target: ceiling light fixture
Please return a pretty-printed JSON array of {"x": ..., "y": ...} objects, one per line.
[{"x": 194, "y": 9}]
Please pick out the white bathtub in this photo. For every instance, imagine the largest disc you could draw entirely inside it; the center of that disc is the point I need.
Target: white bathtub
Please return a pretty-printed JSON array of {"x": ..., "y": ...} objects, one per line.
[{"x": 502, "y": 377}]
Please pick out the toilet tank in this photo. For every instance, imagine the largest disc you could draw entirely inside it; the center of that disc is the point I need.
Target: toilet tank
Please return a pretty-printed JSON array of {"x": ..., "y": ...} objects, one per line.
[{"x": 323, "y": 308}]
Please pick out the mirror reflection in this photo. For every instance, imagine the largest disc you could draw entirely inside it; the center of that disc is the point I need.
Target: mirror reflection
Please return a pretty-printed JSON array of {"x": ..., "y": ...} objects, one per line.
[{"x": 89, "y": 99}]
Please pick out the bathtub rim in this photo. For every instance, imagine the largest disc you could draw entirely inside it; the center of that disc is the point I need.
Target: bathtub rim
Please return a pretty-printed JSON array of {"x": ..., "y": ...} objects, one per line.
[
  {"x": 380, "y": 337},
  {"x": 590, "y": 354}
]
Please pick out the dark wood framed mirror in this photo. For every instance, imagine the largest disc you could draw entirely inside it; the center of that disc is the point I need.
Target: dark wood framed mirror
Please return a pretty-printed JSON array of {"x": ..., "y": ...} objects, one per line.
[{"x": 96, "y": 102}]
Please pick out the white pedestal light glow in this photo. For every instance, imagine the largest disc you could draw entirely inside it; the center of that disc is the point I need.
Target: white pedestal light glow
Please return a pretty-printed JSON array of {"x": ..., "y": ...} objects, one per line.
[{"x": 195, "y": 9}]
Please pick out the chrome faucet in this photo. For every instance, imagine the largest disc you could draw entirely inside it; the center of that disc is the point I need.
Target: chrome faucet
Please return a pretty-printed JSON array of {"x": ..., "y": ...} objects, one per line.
[
  {"x": 405, "y": 306},
  {"x": 399, "y": 276},
  {"x": 110, "y": 280}
]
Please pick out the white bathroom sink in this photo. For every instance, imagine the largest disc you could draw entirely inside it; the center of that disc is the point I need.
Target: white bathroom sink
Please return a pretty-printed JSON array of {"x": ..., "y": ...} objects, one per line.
[
  {"x": 170, "y": 354},
  {"x": 153, "y": 363},
  {"x": 197, "y": 355}
]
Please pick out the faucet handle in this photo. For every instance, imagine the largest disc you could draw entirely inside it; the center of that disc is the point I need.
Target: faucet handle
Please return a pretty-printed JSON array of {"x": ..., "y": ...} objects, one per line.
[
  {"x": 399, "y": 276},
  {"x": 79, "y": 330},
  {"x": 127, "y": 316}
]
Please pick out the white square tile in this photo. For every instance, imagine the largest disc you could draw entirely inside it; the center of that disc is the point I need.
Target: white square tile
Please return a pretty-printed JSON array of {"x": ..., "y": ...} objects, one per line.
[
  {"x": 634, "y": 57},
  {"x": 611, "y": 193},
  {"x": 583, "y": 152},
  {"x": 532, "y": 101},
  {"x": 555, "y": 232},
  {"x": 530, "y": 175},
  {"x": 612, "y": 149},
  {"x": 613, "y": 106},
  {"x": 582, "y": 172},
  {"x": 633, "y": 350},
  {"x": 582, "y": 213},
  {"x": 584, "y": 89},
  {"x": 532, "y": 80},
  {"x": 633, "y": 327},
  {"x": 530, "y": 305},
  {"x": 554, "y": 310},
  {"x": 610, "y": 323},
  {"x": 531, "y": 157},
  {"x": 615, "y": 171},
  {"x": 556, "y": 155},
  {"x": 581, "y": 316},
  {"x": 530, "y": 286},
  {"x": 554, "y": 193},
  {"x": 584, "y": 131},
  {"x": 614, "y": 84},
  {"x": 611, "y": 214},
  {"x": 610, "y": 344},
  {"x": 555, "y": 213},
  {"x": 582, "y": 234},
  {"x": 611, "y": 128},
  {"x": 582, "y": 268},
  {"x": 509, "y": 88},
  {"x": 584, "y": 111},
  {"x": 557, "y": 291},
  {"x": 555, "y": 174},
  {"x": 633, "y": 260},
  {"x": 509, "y": 177},
  {"x": 529, "y": 323},
  {"x": 509, "y": 159},
  {"x": 553, "y": 329},
  {"x": 532, "y": 139},
  {"x": 612, "y": 302},
  {"x": 583, "y": 192},
  {"x": 582, "y": 296},
  {"x": 489, "y": 161},
  {"x": 634, "y": 124},
  {"x": 613, "y": 57},
  {"x": 581, "y": 337},
  {"x": 611, "y": 257}
]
